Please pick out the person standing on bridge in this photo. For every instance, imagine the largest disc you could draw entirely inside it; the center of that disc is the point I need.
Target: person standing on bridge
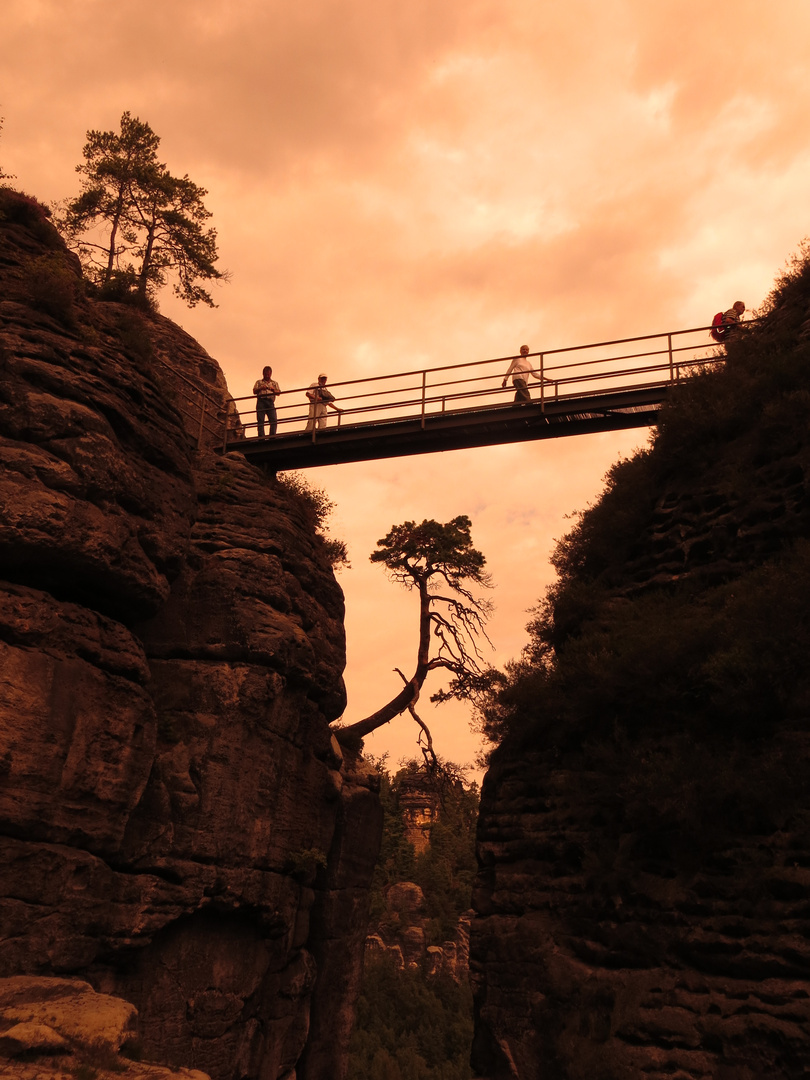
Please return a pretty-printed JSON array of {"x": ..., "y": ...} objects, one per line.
[
  {"x": 266, "y": 391},
  {"x": 521, "y": 369},
  {"x": 319, "y": 398}
]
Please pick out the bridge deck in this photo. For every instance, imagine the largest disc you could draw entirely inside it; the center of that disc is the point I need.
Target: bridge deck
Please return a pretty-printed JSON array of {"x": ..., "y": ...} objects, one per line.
[
  {"x": 603, "y": 386},
  {"x": 456, "y": 429}
]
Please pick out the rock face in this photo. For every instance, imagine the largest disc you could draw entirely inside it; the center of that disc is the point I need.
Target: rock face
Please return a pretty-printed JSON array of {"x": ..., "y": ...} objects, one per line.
[
  {"x": 60, "y": 1026},
  {"x": 420, "y": 806},
  {"x": 177, "y": 824},
  {"x": 642, "y": 898}
]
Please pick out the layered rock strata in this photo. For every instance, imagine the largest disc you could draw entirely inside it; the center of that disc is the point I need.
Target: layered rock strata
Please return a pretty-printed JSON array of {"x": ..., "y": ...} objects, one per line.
[
  {"x": 178, "y": 825},
  {"x": 642, "y": 898}
]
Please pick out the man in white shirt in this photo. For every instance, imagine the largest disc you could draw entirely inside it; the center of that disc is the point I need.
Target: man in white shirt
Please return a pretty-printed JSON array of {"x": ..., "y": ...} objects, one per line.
[{"x": 521, "y": 369}]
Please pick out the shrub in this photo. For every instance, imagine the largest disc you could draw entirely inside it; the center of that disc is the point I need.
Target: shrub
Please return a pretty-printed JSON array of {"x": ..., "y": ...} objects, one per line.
[
  {"x": 410, "y": 1028},
  {"x": 53, "y": 288},
  {"x": 316, "y": 507},
  {"x": 313, "y": 501},
  {"x": 122, "y": 288},
  {"x": 135, "y": 338}
]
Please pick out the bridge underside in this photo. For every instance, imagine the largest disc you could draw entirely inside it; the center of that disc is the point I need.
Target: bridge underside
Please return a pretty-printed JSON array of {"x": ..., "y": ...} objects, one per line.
[{"x": 458, "y": 430}]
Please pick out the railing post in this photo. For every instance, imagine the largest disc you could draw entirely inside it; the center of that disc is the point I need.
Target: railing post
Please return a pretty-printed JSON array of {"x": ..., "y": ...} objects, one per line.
[
  {"x": 671, "y": 367},
  {"x": 542, "y": 385},
  {"x": 424, "y": 385}
]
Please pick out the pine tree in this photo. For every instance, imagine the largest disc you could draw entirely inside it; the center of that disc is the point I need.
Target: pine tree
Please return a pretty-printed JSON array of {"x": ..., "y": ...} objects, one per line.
[{"x": 133, "y": 223}]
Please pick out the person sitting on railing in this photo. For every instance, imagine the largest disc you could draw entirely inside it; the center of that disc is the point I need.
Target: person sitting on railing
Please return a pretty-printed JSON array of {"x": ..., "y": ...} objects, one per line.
[
  {"x": 319, "y": 398},
  {"x": 266, "y": 391},
  {"x": 520, "y": 369}
]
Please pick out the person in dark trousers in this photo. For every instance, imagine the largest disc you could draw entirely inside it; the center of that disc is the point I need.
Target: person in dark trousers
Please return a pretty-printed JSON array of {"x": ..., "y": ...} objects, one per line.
[
  {"x": 266, "y": 391},
  {"x": 520, "y": 369}
]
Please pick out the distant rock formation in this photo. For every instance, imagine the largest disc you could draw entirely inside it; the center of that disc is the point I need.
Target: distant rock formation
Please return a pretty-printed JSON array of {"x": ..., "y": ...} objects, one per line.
[
  {"x": 641, "y": 907},
  {"x": 420, "y": 805},
  {"x": 405, "y": 937},
  {"x": 177, "y": 824}
]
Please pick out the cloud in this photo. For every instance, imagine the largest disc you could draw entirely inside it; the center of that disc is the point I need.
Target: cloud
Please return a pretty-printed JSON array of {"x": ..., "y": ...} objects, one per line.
[{"x": 404, "y": 185}]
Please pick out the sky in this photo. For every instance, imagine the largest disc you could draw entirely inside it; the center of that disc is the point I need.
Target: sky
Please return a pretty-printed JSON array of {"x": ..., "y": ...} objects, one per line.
[{"x": 398, "y": 185}]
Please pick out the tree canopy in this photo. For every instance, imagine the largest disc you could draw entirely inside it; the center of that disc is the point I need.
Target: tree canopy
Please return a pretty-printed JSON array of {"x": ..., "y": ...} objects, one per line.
[
  {"x": 134, "y": 223},
  {"x": 441, "y": 564}
]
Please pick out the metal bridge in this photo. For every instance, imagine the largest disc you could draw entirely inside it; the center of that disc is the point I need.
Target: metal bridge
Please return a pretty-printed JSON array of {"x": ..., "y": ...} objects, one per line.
[{"x": 604, "y": 386}]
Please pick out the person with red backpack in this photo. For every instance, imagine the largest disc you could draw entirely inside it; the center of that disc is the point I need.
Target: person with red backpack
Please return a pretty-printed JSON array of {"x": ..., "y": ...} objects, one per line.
[{"x": 724, "y": 322}]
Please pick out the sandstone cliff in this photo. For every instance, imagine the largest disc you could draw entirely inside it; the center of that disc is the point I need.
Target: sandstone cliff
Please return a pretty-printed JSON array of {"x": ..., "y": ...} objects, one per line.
[
  {"x": 644, "y": 837},
  {"x": 177, "y": 825}
]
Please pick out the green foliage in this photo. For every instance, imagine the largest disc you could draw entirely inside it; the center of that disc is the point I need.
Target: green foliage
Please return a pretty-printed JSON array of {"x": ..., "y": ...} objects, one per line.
[
  {"x": 316, "y": 507},
  {"x": 446, "y": 869},
  {"x": 313, "y": 501},
  {"x": 336, "y": 552},
  {"x": 121, "y": 287},
  {"x": 410, "y": 1028},
  {"x": 605, "y": 534},
  {"x": 713, "y": 659},
  {"x": 413, "y": 552},
  {"x": 135, "y": 338},
  {"x": 52, "y": 287},
  {"x": 133, "y": 223},
  {"x": 728, "y": 661},
  {"x": 440, "y": 563},
  {"x": 410, "y": 1024},
  {"x": 17, "y": 208},
  {"x": 304, "y": 864}
]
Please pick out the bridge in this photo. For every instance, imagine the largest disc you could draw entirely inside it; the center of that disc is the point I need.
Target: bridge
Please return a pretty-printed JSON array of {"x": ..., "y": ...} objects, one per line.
[{"x": 604, "y": 386}]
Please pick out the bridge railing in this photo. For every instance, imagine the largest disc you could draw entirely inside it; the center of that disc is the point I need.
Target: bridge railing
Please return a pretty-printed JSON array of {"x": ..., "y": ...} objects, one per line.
[{"x": 650, "y": 361}]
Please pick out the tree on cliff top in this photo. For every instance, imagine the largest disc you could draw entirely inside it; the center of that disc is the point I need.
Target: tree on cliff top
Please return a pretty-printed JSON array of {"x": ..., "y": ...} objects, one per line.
[
  {"x": 440, "y": 563},
  {"x": 133, "y": 222}
]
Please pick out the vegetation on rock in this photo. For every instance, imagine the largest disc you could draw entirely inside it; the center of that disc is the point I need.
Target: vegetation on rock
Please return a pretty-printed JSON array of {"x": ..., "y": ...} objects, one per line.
[
  {"x": 445, "y": 870},
  {"x": 317, "y": 508},
  {"x": 133, "y": 223},
  {"x": 440, "y": 563},
  {"x": 704, "y": 635},
  {"x": 413, "y": 1025},
  {"x": 645, "y": 822},
  {"x": 409, "y": 1028}
]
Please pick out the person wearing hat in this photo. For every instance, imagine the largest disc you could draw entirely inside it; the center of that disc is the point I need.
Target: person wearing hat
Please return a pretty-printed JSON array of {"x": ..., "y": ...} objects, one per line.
[{"x": 319, "y": 398}]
